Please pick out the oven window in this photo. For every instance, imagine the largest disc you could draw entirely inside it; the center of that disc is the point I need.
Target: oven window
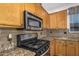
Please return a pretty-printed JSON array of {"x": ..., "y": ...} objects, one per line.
[
  {"x": 73, "y": 14},
  {"x": 34, "y": 23}
]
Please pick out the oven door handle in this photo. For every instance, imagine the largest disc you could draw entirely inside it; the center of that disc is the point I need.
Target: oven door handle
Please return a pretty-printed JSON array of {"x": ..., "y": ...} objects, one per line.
[{"x": 45, "y": 52}]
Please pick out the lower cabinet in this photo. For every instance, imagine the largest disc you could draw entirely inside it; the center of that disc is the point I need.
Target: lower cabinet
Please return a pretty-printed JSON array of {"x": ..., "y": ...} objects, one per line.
[
  {"x": 77, "y": 48},
  {"x": 71, "y": 48},
  {"x": 52, "y": 47},
  {"x": 59, "y": 47}
]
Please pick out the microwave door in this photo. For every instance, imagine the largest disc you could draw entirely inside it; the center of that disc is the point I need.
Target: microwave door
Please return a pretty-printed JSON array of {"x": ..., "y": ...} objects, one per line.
[{"x": 34, "y": 23}]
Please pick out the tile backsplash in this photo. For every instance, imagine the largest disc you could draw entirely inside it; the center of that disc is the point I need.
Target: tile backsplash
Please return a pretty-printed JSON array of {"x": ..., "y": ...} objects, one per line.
[
  {"x": 62, "y": 33},
  {"x": 57, "y": 32},
  {"x": 5, "y": 44}
]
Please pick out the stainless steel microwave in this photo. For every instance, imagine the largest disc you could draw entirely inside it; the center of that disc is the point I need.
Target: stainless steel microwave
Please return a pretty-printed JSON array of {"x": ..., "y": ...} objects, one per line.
[{"x": 32, "y": 22}]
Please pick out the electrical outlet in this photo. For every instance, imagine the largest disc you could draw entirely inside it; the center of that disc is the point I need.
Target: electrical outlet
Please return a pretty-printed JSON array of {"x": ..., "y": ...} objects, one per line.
[{"x": 10, "y": 36}]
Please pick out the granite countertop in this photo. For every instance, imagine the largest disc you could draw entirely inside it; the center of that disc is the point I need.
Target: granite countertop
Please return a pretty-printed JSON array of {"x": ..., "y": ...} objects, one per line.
[
  {"x": 17, "y": 52},
  {"x": 60, "y": 38}
]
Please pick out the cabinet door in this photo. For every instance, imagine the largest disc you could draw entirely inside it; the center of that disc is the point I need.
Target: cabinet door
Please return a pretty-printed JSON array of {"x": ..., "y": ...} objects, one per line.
[
  {"x": 58, "y": 20},
  {"x": 60, "y": 47},
  {"x": 44, "y": 19},
  {"x": 77, "y": 48},
  {"x": 30, "y": 7},
  {"x": 22, "y": 14},
  {"x": 43, "y": 14},
  {"x": 71, "y": 49},
  {"x": 53, "y": 23},
  {"x": 39, "y": 10},
  {"x": 52, "y": 47},
  {"x": 10, "y": 14},
  {"x": 47, "y": 21},
  {"x": 61, "y": 19},
  {"x": 64, "y": 20}
]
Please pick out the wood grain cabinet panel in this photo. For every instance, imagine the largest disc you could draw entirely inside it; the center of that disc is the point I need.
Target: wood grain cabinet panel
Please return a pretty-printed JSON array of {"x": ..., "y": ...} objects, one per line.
[
  {"x": 52, "y": 47},
  {"x": 30, "y": 7},
  {"x": 10, "y": 14},
  {"x": 46, "y": 21},
  {"x": 77, "y": 48},
  {"x": 38, "y": 10},
  {"x": 53, "y": 22},
  {"x": 44, "y": 15},
  {"x": 62, "y": 19},
  {"x": 71, "y": 48},
  {"x": 60, "y": 48},
  {"x": 58, "y": 20}
]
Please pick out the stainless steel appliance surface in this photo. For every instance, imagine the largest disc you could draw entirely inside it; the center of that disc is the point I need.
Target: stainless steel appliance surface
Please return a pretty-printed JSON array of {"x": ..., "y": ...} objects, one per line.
[
  {"x": 32, "y": 22},
  {"x": 40, "y": 47}
]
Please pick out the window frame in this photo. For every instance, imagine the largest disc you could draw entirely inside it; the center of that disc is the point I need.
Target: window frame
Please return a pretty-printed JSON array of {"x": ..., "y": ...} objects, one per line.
[{"x": 68, "y": 24}]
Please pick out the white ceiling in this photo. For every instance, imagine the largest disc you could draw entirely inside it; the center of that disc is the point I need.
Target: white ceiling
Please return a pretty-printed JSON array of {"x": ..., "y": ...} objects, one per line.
[{"x": 54, "y": 7}]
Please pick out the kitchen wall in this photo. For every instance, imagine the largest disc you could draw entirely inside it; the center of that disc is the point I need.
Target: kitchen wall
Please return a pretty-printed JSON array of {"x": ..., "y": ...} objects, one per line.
[
  {"x": 57, "y": 32},
  {"x": 62, "y": 33},
  {"x": 6, "y": 45}
]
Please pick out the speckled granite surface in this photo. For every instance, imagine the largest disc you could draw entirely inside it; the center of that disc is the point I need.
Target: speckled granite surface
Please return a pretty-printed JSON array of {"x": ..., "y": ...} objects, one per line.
[
  {"x": 60, "y": 38},
  {"x": 17, "y": 52}
]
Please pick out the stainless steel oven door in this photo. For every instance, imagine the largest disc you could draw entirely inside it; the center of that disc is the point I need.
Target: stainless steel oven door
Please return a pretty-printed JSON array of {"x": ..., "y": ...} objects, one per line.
[{"x": 46, "y": 53}]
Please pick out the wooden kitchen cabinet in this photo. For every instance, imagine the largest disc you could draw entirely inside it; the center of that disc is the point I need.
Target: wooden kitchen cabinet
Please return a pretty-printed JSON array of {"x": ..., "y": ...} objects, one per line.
[
  {"x": 77, "y": 48},
  {"x": 30, "y": 7},
  {"x": 53, "y": 22},
  {"x": 57, "y": 47},
  {"x": 46, "y": 21},
  {"x": 71, "y": 48},
  {"x": 60, "y": 48},
  {"x": 38, "y": 10},
  {"x": 44, "y": 15},
  {"x": 61, "y": 19},
  {"x": 52, "y": 47},
  {"x": 34, "y": 8},
  {"x": 58, "y": 20},
  {"x": 10, "y": 15}
]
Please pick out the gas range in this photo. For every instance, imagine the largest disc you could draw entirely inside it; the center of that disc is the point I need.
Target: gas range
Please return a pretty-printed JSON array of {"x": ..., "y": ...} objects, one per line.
[{"x": 38, "y": 46}]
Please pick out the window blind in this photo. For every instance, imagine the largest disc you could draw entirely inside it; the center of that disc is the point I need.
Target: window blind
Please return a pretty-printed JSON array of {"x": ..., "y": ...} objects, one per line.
[{"x": 74, "y": 18}]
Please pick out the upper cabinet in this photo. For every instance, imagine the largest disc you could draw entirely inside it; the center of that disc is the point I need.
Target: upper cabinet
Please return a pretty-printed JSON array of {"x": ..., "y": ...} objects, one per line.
[
  {"x": 30, "y": 7},
  {"x": 46, "y": 20},
  {"x": 53, "y": 22},
  {"x": 41, "y": 12},
  {"x": 38, "y": 10},
  {"x": 10, "y": 15},
  {"x": 62, "y": 19},
  {"x": 58, "y": 20}
]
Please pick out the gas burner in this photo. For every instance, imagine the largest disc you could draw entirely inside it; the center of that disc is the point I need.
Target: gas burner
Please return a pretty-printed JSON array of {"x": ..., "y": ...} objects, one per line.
[{"x": 36, "y": 45}]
